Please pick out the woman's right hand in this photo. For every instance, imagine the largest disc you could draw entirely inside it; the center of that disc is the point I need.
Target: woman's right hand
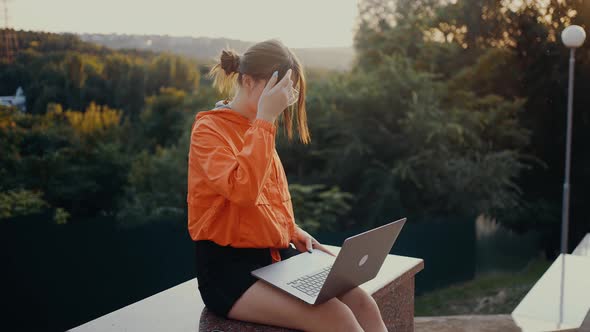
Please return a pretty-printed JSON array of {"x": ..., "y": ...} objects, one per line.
[{"x": 274, "y": 98}]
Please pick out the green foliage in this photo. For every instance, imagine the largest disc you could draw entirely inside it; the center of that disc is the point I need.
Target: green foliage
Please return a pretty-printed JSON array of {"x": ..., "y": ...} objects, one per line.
[
  {"x": 61, "y": 216},
  {"x": 452, "y": 107},
  {"x": 62, "y": 69},
  {"x": 492, "y": 73},
  {"x": 318, "y": 207},
  {"x": 491, "y": 294},
  {"x": 157, "y": 185},
  {"x": 125, "y": 82},
  {"x": 66, "y": 156},
  {"x": 172, "y": 71},
  {"x": 20, "y": 202},
  {"x": 403, "y": 142},
  {"x": 472, "y": 153},
  {"x": 96, "y": 122},
  {"x": 86, "y": 180},
  {"x": 163, "y": 119},
  {"x": 477, "y": 51}
]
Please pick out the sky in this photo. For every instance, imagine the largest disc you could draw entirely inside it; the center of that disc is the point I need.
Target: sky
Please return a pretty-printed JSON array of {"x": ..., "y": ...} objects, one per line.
[{"x": 298, "y": 23}]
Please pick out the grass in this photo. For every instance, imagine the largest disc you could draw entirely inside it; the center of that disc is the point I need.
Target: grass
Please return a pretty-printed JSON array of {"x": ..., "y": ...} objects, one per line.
[{"x": 495, "y": 293}]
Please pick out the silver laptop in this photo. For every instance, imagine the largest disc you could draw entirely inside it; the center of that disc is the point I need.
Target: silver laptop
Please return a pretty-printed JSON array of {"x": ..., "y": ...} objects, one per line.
[{"x": 317, "y": 277}]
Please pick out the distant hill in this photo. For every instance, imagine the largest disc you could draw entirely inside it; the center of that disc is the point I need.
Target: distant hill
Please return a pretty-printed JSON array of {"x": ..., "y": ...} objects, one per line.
[{"x": 203, "y": 48}]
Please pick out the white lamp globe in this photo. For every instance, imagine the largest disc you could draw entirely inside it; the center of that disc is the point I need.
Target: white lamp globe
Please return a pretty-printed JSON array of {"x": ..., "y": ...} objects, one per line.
[{"x": 573, "y": 36}]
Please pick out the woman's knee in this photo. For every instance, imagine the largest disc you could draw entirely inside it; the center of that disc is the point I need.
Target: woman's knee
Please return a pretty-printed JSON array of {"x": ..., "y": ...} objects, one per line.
[
  {"x": 361, "y": 303},
  {"x": 334, "y": 315},
  {"x": 366, "y": 302}
]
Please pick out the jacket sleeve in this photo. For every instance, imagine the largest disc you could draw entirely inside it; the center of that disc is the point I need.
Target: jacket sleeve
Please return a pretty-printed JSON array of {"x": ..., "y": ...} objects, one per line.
[{"x": 238, "y": 177}]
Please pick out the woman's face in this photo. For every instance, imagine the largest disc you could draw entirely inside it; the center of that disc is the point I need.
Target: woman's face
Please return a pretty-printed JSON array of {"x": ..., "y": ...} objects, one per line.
[{"x": 255, "y": 88}]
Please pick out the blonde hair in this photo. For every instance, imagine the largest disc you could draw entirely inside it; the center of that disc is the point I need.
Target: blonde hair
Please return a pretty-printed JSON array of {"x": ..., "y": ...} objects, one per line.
[{"x": 260, "y": 61}]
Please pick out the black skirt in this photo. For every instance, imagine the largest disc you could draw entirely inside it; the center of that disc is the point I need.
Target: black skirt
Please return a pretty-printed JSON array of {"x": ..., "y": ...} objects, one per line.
[{"x": 223, "y": 272}]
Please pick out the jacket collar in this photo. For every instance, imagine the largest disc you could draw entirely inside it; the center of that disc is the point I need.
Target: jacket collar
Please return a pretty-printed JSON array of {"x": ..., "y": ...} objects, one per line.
[{"x": 227, "y": 114}]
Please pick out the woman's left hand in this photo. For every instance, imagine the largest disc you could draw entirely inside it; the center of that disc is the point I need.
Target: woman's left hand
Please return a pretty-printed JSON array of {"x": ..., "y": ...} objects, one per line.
[{"x": 305, "y": 242}]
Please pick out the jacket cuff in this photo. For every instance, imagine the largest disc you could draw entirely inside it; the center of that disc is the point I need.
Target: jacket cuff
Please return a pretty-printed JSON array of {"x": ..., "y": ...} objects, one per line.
[
  {"x": 292, "y": 231},
  {"x": 265, "y": 124}
]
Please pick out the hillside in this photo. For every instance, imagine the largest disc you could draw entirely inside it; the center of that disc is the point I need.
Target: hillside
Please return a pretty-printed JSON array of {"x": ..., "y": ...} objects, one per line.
[{"x": 203, "y": 48}]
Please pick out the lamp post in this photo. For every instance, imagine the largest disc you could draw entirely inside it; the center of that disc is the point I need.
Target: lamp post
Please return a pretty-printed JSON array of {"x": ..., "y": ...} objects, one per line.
[{"x": 573, "y": 37}]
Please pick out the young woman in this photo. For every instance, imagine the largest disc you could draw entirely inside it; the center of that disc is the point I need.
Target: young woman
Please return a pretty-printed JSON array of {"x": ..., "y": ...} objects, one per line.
[{"x": 239, "y": 207}]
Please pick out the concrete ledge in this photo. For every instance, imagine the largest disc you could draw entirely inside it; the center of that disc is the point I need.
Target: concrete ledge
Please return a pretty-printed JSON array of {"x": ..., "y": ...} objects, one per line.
[
  {"x": 179, "y": 308},
  {"x": 466, "y": 323},
  {"x": 175, "y": 309},
  {"x": 586, "y": 323},
  {"x": 559, "y": 299},
  {"x": 392, "y": 289},
  {"x": 583, "y": 248}
]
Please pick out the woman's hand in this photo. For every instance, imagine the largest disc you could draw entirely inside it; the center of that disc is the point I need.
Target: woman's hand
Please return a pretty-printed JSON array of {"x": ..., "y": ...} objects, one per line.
[
  {"x": 305, "y": 242},
  {"x": 274, "y": 98}
]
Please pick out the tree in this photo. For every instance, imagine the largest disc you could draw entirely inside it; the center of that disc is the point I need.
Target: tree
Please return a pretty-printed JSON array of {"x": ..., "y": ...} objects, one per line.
[
  {"x": 163, "y": 120},
  {"x": 404, "y": 142}
]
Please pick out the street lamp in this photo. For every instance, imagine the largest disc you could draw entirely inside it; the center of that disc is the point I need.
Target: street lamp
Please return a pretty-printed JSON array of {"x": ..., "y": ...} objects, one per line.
[{"x": 573, "y": 37}]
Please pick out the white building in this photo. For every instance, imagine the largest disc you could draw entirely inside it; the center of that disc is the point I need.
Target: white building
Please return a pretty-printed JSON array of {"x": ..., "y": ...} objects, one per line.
[{"x": 18, "y": 100}]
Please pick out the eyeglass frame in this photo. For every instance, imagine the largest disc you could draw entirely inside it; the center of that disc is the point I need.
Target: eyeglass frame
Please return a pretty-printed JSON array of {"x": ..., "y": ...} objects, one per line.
[{"x": 294, "y": 93}]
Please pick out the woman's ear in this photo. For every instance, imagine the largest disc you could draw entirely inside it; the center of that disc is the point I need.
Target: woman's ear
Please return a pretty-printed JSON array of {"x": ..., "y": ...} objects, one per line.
[{"x": 248, "y": 83}]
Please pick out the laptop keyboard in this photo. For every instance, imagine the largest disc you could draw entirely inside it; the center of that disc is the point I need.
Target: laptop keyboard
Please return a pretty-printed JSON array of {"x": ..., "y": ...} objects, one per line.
[{"x": 312, "y": 283}]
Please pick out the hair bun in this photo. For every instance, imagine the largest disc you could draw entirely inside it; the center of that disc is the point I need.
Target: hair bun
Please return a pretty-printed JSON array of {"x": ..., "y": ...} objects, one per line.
[{"x": 230, "y": 61}]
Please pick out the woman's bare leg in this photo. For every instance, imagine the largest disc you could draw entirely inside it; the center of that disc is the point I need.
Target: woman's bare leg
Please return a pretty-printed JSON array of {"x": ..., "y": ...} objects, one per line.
[
  {"x": 265, "y": 304},
  {"x": 365, "y": 309}
]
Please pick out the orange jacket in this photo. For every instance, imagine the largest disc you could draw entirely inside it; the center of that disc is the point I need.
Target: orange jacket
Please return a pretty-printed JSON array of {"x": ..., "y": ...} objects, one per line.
[{"x": 237, "y": 188}]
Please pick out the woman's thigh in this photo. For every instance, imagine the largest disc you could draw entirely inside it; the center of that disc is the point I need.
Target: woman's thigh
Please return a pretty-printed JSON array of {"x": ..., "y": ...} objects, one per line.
[{"x": 265, "y": 304}]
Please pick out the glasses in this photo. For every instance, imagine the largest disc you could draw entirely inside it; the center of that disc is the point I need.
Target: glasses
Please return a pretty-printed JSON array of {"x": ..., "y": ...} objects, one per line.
[{"x": 293, "y": 96}]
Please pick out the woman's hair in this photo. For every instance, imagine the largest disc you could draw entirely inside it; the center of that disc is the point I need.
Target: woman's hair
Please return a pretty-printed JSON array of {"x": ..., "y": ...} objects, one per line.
[{"x": 260, "y": 61}]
